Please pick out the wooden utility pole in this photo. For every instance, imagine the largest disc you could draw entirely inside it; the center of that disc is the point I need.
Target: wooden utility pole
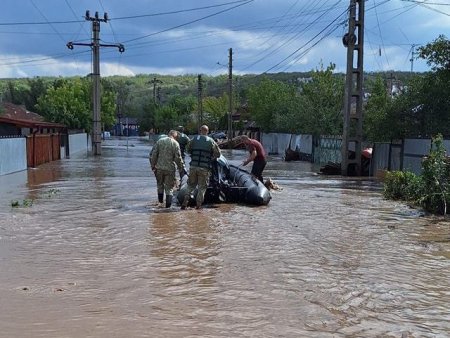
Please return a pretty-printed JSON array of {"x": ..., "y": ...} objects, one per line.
[
  {"x": 354, "y": 92},
  {"x": 230, "y": 94},
  {"x": 95, "y": 45},
  {"x": 200, "y": 101}
]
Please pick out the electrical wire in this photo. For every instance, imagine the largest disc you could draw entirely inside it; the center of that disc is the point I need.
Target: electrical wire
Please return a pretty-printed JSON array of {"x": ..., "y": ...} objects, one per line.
[{"x": 189, "y": 22}]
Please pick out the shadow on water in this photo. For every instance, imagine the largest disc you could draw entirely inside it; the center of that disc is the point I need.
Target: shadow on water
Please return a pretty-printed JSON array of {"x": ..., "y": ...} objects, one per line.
[{"x": 328, "y": 257}]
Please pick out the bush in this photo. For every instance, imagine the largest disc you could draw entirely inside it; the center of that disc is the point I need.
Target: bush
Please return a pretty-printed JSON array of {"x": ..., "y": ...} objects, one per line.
[
  {"x": 436, "y": 179},
  {"x": 402, "y": 185},
  {"x": 431, "y": 190}
]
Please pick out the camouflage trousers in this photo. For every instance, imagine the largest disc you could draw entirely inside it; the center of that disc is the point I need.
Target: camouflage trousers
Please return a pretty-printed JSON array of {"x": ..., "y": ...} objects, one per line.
[
  {"x": 165, "y": 181},
  {"x": 197, "y": 177}
]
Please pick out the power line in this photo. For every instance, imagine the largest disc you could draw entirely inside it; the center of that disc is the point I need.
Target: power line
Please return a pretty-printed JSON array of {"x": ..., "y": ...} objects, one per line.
[
  {"x": 42, "y": 14},
  {"x": 289, "y": 40},
  {"x": 298, "y": 49},
  {"x": 178, "y": 11},
  {"x": 189, "y": 22},
  {"x": 28, "y": 23}
]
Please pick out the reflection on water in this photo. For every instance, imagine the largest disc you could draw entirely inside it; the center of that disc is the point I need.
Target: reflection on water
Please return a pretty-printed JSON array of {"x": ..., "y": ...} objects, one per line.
[{"x": 328, "y": 257}]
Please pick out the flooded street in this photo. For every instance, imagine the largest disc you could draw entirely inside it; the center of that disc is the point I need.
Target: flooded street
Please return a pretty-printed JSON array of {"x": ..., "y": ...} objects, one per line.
[{"x": 88, "y": 254}]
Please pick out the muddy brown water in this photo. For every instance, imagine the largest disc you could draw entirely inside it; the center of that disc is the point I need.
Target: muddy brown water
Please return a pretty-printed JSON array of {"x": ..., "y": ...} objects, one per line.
[{"x": 88, "y": 254}]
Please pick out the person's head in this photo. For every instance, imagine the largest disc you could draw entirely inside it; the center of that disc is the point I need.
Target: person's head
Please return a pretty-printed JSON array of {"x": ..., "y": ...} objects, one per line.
[
  {"x": 173, "y": 134},
  {"x": 204, "y": 130},
  {"x": 244, "y": 139},
  {"x": 180, "y": 129}
]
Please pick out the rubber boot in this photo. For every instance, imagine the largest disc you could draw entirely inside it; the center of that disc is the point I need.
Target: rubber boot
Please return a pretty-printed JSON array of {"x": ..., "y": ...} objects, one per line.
[
  {"x": 185, "y": 203},
  {"x": 168, "y": 201},
  {"x": 160, "y": 197}
]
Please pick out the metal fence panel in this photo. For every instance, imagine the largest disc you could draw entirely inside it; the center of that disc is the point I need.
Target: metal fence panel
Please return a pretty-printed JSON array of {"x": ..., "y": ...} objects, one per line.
[
  {"x": 413, "y": 152},
  {"x": 13, "y": 155},
  {"x": 78, "y": 143},
  {"x": 328, "y": 149}
]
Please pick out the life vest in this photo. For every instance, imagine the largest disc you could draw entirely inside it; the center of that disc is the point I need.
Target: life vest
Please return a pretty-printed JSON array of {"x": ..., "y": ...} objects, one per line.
[{"x": 201, "y": 151}]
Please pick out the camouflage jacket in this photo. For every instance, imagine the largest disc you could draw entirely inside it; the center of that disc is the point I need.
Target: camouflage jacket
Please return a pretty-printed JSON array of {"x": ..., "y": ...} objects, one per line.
[{"x": 165, "y": 154}]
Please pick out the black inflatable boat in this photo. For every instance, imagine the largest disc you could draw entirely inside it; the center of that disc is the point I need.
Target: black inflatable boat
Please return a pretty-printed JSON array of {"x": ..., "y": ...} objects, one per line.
[{"x": 229, "y": 184}]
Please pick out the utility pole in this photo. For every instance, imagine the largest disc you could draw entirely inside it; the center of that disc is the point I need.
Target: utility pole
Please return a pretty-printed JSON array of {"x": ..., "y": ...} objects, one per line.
[
  {"x": 352, "y": 131},
  {"x": 95, "y": 45},
  {"x": 158, "y": 95},
  {"x": 391, "y": 84},
  {"x": 230, "y": 94},
  {"x": 200, "y": 101},
  {"x": 155, "y": 81},
  {"x": 413, "y": 48}
]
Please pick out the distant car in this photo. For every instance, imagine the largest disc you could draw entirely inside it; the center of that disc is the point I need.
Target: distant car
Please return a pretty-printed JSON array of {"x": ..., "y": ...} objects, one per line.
[
  {"x": 106, "y": 134},
  {"x": 220, "y": 135}
]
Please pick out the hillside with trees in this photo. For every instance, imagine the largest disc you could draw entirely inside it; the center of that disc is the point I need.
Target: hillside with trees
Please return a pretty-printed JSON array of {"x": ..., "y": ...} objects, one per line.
[{"x": 309, "y": 103}]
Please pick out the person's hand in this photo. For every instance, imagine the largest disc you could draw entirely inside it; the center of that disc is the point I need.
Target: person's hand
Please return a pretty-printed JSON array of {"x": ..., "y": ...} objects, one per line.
[{"x": 154, "y": 170}]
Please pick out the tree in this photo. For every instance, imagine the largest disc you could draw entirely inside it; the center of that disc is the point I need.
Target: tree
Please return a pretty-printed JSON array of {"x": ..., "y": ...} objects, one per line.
[
  {"x": 376, "y": 111},
  {"x": 321, "y": 103},
  {"x": 69, "y": 103},
  {"x": 214, "y": 111},
  {"x": 268, "y": 102},
  {"x": 437, "y": 53},
  {"x": 166, "y": 118}
]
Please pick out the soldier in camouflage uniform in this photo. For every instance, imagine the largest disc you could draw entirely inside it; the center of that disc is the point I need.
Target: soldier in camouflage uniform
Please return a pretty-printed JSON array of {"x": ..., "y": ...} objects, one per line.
[
  {"x": 182, "y": 140},
  {"x": 203, "y": 150},
  {"x": 164, "y": 156}
]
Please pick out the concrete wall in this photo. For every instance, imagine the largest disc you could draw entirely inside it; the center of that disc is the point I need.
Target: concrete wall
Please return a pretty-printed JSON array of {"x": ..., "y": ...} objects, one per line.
[
  {"x": 78, "y": 143},
  {"x": 13, "y": 155}
]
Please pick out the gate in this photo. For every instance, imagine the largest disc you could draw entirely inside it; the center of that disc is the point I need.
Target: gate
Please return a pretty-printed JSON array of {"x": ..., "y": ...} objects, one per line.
[{"x": 43, "y": 148}]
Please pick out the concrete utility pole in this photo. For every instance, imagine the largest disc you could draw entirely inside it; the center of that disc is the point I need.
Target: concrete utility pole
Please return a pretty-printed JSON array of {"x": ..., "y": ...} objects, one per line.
[
  {"x": 155, "y": 81},
  {"x": 353, "y": 119},
  {"x": 95, "y": 45},
  {"x": 390, "y": 83},
  {"x": 413, "y": 49},
  {"x": 200, "y": 101},
  {"x": 230, "y": 94}
]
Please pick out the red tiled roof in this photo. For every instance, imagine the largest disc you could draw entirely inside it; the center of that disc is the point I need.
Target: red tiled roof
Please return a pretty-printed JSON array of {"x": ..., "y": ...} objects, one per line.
[
  {"x": 13, "y": 111},
  {"x": 30, "y": 123}
]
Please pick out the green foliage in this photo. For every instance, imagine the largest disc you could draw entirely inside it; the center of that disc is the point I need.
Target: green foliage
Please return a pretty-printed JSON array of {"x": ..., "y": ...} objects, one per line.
[
  {"x": 436, "y": 179},
  {"x": 321, "y": 102},
  {"x": 26, "y": 203},
  {"x": 402, "y": 185},
  {"x": 375, "y": 114},
  {"x": 269, "y": 100},
  {"x": 69, "y": 102},
  {"x": 214, "y": 109},
  {"x": 166, "y": 118},
  {"x": 437, "y": 53},
  {"x": 430, "y": 190}
]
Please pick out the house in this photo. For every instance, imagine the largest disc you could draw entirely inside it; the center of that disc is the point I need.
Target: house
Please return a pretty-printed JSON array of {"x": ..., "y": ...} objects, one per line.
[
  {"x": 45, "y": 141},
  {"x": 126, "y": 126}
]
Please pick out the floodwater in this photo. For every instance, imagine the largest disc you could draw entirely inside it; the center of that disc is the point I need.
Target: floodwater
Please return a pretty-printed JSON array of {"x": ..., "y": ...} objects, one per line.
[{"x": 88, "y": 254}]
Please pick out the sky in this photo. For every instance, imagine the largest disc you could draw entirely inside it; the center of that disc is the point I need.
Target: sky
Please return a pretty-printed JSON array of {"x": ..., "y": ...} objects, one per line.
[{"x": 175, "y": 37}]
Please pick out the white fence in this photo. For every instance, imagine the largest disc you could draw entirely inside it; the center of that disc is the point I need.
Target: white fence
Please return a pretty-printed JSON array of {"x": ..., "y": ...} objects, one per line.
[
  {"x": 78, "y": 143},
  {"x": 13, "y": 151},
  {"x": 13, "y": 155},
  {"x": 404, "y": 155},
  {"x": 276, "y": 144}
]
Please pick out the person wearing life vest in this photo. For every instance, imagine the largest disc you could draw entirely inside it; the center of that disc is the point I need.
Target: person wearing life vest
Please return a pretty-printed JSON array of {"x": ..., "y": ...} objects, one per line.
[
  {"x": 182, "y": 140},
  {"x": 203, "y": 151}
]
